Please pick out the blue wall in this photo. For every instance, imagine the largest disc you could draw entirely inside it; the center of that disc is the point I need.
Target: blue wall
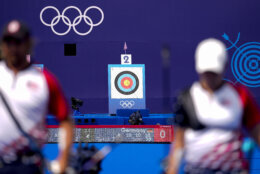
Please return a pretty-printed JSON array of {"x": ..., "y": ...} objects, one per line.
[{"x": 146, "y": 26}]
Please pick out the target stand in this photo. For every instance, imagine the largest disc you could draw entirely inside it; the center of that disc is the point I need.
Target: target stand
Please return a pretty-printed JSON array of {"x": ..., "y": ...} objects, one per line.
[{"x": 126, "y": 87}]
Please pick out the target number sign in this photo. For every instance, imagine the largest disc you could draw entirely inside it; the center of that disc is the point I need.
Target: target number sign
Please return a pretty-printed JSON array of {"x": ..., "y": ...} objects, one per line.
[
  {"x": 126, "y": 59},
  {"x": 126, "y": 87}
]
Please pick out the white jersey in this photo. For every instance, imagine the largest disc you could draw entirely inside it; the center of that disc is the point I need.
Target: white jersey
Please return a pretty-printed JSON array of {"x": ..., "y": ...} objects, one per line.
[
  {"x": 224, "y": 114},
  {"x": 31, "y": 95}
]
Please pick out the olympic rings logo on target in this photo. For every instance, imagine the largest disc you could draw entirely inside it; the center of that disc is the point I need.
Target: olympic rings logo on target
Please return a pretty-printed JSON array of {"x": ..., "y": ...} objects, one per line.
[
  {"x": 73, "y": 23},
  {"x": 127, "y": 104}
]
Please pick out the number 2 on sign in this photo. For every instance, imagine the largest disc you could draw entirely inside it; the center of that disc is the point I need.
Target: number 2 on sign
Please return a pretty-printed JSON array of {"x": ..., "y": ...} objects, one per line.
[{"x": 126, "y": 59}]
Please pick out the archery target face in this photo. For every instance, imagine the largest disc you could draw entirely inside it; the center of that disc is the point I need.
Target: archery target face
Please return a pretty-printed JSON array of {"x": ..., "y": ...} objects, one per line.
[{"x": 126, "y": 82}]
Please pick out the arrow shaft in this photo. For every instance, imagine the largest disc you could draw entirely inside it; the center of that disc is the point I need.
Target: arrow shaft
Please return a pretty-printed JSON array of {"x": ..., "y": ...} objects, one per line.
[{"x": 232, "y": 44}]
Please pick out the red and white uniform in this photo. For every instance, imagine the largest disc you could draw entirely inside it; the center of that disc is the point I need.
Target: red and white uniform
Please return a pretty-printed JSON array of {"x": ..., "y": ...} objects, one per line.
[
  {"x": 224, "y": 113},
  {"x": 31, "y": 95}
]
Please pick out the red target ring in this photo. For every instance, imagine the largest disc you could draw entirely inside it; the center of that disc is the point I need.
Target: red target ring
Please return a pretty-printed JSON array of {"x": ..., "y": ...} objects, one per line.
[{"x": 127, "y": 82}]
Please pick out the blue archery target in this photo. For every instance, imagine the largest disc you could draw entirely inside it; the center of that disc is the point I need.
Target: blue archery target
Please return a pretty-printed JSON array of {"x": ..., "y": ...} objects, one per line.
[
  {"x": 126, "y": 82},
  {"x": 245, "y": 64}
]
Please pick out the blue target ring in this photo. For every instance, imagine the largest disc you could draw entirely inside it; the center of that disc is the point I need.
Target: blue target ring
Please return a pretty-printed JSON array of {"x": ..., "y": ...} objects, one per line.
[
  {"x": 245, "y": 64},
  {"x": 120, "y": 79},
  {"x": 130, "y": 75}
]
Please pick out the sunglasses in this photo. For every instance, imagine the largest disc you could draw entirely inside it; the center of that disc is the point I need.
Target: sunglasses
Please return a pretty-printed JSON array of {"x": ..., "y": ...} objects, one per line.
[{"x": 13, "y": 41}]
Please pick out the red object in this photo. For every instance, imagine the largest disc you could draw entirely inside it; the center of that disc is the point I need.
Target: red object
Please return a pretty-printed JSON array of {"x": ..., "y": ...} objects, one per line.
[
  {"x": 57, "y": 102},
  {"x": 123, "y": 84},
  {"x": 251, "y": 115},
  {"x": 163, "y": 134}
]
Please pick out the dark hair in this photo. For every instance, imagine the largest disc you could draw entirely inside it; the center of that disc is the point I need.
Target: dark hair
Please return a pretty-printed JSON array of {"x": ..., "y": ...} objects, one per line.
[{"x": 15, "y": 30}]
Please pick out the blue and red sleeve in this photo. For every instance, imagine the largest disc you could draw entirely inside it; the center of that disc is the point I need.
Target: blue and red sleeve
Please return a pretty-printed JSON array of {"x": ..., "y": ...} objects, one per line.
[
  {"x": 251, "y": 114},
  {"x": 58, "y": 105}
]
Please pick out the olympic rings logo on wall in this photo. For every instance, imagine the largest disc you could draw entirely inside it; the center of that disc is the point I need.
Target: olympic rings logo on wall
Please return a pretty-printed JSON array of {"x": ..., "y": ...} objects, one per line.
[{"x": 75, "y": 22}]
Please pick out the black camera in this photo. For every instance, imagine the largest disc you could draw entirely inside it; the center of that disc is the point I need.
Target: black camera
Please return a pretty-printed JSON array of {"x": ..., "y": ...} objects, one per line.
[
  {"x": 136, "y": 118},
  {"x": 76, "y": 103}
]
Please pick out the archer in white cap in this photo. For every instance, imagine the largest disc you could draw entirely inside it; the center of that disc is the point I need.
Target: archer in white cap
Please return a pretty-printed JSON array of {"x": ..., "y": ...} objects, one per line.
[
  {"x": 211, "y": 59},
  {"x": 210, "y": 116}
]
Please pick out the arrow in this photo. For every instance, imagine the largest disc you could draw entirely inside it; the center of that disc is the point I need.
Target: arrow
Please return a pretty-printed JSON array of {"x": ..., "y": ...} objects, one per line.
[
  {"x": 125, "y": 47},
  {"x": 226, "y": 37}
]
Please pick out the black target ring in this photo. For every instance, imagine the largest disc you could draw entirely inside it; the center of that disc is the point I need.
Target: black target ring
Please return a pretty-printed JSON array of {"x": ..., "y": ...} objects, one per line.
[{"x": 124, "y": 92}]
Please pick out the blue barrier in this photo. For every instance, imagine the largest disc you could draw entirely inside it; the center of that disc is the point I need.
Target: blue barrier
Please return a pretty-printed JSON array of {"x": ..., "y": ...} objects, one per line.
[{"x": 106, "y": 119}]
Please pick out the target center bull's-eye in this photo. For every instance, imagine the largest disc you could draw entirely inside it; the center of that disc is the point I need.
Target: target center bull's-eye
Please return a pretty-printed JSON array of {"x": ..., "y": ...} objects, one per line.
[
  {"x": 127, "y": 82},
  {"x": 254, "y": 64}
]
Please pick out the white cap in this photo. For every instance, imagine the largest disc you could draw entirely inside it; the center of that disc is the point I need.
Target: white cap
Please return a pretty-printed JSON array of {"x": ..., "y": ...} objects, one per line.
[{"x": 211, "y": 55}]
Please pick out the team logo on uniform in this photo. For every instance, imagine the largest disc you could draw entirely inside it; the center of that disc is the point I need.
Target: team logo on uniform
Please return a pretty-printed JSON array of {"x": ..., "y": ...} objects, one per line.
[{"x": 32, "y": 85}]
